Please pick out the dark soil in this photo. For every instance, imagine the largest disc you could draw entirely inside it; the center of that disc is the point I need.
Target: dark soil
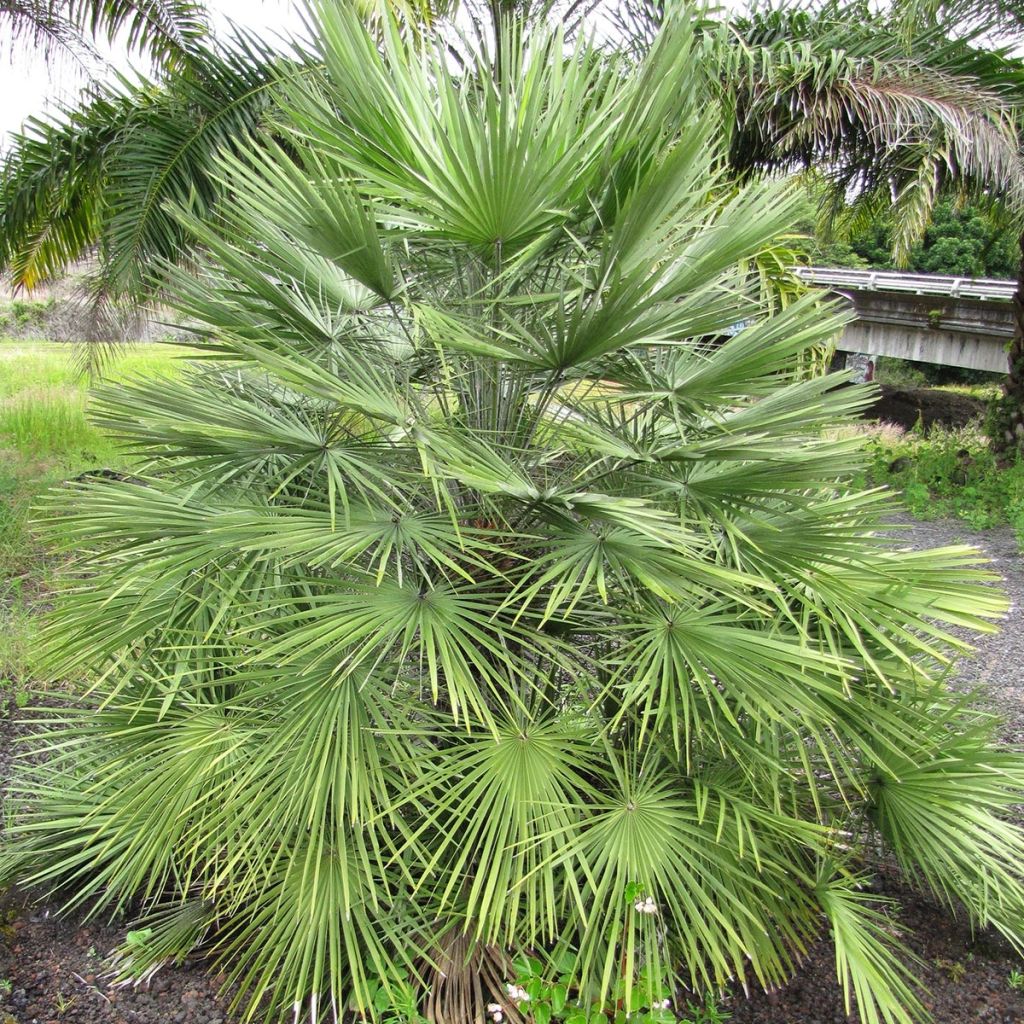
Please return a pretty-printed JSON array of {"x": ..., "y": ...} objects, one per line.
[
  {"x": 55, "y": 970},
  {"x": 52, "y": 968},
  {"x": 965, "y": 976},
  {"x": 907, "y": 406}
]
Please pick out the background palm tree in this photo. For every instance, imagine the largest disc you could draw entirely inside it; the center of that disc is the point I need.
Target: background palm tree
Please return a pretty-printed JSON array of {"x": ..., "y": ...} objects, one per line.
[
  {"x": 894, "y": 109},
  {"x": 886, "y": 120},
  {"x": 887, "y": 145},
  {"x": 1004, "y": 21},
  {"x": 166, "y": 30}
]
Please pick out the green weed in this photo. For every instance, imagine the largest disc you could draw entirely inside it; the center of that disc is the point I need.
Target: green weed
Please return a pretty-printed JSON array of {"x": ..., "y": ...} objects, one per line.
[
  {"x": 954, "y": 970},
  {"x": 51, "y": 422},
  {"x": 950, "y": 473}
]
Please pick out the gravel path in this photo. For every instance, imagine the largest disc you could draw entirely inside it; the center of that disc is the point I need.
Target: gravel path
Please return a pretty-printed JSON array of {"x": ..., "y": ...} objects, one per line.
[
  {"x": 51, "y": 970},
  {"x": 998, "y": 664}
]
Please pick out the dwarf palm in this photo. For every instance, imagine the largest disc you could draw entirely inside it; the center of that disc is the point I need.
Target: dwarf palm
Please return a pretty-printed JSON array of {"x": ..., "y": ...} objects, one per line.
[{"x": 489, "y": 586}]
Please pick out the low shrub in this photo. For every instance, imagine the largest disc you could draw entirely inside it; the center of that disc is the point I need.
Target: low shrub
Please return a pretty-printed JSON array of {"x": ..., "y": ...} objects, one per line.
[{"x": 477, "y": 601}]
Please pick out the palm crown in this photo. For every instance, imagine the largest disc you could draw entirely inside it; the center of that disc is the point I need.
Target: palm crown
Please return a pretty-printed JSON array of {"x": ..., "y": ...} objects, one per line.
[{"x": 490, "y": 588}]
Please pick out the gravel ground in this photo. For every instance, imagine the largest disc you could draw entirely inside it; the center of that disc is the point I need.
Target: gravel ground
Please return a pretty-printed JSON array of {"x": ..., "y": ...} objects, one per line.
[{"x": 51, "y": 970}]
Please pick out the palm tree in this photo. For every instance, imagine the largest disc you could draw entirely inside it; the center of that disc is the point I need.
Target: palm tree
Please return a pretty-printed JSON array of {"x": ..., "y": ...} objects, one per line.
[
  {"x": 166, "y": 30},
  {"x": 101, "y": 179},
  {"x": 840, "y": 90},
  {"x": 96, "y": 181},
  {"x": 881, "y": 146},
  {"x": 482, "y": 612}
]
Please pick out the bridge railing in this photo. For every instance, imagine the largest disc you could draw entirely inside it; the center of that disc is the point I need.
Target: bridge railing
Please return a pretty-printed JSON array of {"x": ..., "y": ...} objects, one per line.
[{"x": 914, "y": 284}]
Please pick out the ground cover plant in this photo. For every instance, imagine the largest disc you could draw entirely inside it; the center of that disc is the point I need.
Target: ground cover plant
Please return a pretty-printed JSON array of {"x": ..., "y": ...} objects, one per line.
[
  {"x": 45, "y": 439},
  {"x": 949, "y": 473},
  {"x": 490, "y": 589}
]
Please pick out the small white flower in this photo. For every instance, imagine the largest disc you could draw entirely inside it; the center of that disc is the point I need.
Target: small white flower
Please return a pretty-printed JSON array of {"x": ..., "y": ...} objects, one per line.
[
  {"x": 494, "y": 1007},
  {"x": 666, "y": 1004},
  {"x": 645, "y": 906}
]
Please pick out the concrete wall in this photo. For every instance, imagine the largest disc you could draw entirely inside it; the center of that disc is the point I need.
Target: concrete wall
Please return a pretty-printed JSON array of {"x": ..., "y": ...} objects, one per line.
[{"x": 933, "y": 329}]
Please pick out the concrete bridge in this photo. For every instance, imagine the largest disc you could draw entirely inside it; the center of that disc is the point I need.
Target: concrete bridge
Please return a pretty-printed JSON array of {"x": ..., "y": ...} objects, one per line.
[{"x": 952, "y": 321}]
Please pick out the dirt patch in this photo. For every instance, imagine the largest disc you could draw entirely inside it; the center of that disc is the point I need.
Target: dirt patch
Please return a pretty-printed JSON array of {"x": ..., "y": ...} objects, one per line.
[
  {"x": 906, "y": 407},
  {"x": 52, "y": 972}
]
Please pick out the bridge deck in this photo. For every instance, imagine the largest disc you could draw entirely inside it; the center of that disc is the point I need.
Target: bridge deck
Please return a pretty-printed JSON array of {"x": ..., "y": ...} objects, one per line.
[
  {"x": 949, "y": 321},
  {"x": 991, "y": 288}
]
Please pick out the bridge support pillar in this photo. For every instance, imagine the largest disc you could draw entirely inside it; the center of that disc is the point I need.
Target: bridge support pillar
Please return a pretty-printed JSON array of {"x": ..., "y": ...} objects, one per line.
[{"x": 860, "y": 364}]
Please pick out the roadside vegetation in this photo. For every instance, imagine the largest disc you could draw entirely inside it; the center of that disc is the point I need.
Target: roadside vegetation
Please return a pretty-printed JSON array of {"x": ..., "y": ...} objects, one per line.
[{"x": 948, "y": 473}]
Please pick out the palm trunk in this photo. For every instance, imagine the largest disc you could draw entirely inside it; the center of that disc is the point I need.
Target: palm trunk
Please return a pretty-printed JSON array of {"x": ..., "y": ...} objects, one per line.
[{"x": 1006, "y": 423}]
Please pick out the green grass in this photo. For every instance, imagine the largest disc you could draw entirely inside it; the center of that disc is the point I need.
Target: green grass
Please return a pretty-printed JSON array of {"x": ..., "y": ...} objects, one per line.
[
  {"x": 51, "y": 423},
  {"x": 46, "y": 439}
]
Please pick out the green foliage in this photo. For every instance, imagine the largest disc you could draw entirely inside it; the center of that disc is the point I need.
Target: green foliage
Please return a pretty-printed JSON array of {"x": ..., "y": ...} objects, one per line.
[
  {"x": 21, "y": 314},
  {"x": 843, "y": 89},
  {"x": 543, "y": 993},
  {"x": 888, "y": 119},
  {"x": 44, "y": 439},
  {"x": 955, "y": 970},
  {"x": 101, "y": 175},
  {"x": 951, "y": 473},
  {"x": 962, "y": 239},
  {"x": 907, "y": 373},
  {"x": 43, "y": 423},
  {"x": 900, "y": 373},
  {"x": 488, "y": 590},
  {"x": 166, "y": 30}
]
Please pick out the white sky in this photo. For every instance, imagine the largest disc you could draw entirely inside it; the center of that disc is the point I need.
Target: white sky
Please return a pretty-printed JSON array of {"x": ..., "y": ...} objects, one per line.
[{"x": 28, "y": 86}]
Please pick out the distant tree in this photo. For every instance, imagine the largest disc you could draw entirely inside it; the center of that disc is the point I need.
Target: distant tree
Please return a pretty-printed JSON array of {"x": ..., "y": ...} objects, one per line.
[{"x": 963, "y": 240}]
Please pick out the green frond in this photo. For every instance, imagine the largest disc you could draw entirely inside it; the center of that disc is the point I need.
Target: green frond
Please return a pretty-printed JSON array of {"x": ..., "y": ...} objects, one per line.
[{"x": 870, "y": 965}]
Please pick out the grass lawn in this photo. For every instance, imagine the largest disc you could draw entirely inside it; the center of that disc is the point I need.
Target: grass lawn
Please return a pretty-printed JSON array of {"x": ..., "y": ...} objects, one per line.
[{"x": 45, "y": 439}]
